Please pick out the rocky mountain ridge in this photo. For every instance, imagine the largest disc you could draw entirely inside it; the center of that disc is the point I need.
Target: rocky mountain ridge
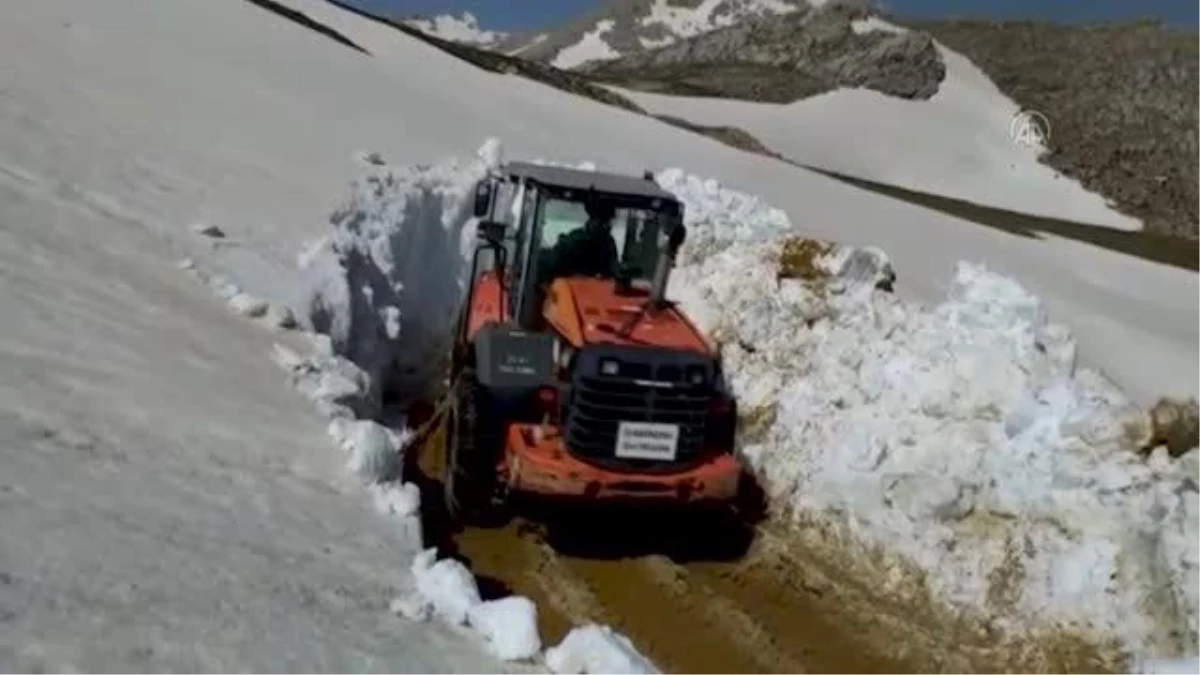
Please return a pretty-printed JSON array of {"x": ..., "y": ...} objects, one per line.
[{"x": 1119, "y": 97}]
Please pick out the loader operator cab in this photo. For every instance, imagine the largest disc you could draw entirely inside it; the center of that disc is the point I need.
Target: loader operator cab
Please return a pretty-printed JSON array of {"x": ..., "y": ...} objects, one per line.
[{"x": 570, "y": 223}]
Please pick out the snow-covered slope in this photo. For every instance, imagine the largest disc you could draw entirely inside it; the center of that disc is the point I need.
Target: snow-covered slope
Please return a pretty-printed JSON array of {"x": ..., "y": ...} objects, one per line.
[
  {"x": 463, "y": 28},
  {"x": 957, "y": 144},
  {"x": 168, "y": 502}
]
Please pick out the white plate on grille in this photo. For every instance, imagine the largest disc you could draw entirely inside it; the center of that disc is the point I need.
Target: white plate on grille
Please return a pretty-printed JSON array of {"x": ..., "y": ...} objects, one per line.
[{"x": 646, "y": 440}]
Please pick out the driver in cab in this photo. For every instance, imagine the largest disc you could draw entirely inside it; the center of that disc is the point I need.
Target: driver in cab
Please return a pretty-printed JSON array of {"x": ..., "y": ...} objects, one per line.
[{"x": 588, "y": 251}]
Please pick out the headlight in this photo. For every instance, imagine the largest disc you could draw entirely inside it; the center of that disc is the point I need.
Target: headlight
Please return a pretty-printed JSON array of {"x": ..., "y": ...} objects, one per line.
[
  {"x": 695, "y": 375},
  {"x": 609, "y": 367}
]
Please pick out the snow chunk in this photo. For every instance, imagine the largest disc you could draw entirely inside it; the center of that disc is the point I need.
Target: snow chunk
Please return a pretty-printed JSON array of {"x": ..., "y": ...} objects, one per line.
[
  {"x": 248, "y": 305},
  {"x": 596, "y": 649},
  {"x": 385, "y": 284},
  {"x": 397, "y": 499},
  {"x": 509, "y": 625},
  {"x": 446, "y": 585},
  {"x": 372, "y": 455},
  {"x": 280, "y": 316},
  {"x": 336, "y": 386},
  {"x": 224, "y": 288},
  {"x": 411, "y": 606}
]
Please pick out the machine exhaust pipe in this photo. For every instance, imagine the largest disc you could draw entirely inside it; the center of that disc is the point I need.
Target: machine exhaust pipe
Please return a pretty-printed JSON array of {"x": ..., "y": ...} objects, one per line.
[
  {"x": 662, "y": 274},
  {"x": 667, "y": 250}
]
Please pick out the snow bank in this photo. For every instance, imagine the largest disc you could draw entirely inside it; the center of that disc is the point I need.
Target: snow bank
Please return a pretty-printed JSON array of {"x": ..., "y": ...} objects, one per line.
[
  {"x": 238, "y": 301},
  {"x": 386, "y": 284},
  {"x": 509, "y": 625},
  {"x": 960, "y": 437},
  {"x": 446, "y": 589}
]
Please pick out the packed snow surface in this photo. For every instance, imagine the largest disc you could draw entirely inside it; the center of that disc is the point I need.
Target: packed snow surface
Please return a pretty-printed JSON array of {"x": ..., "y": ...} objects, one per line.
[
  {"x": 959, "y": 143},
  {"x": 961, "y": 436}
]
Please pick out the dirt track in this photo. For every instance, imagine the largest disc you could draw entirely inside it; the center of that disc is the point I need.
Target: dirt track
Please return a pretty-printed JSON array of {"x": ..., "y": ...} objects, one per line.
[{"x": 750, "y": 601}]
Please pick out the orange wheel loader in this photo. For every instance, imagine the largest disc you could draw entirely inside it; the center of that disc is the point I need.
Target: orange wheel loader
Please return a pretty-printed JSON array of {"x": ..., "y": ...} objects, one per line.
[{"x": 572, "y": 377}]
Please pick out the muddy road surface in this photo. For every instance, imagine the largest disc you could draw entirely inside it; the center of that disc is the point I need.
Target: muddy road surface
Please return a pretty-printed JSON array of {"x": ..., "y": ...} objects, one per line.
[{"x": 700, "y": 598}]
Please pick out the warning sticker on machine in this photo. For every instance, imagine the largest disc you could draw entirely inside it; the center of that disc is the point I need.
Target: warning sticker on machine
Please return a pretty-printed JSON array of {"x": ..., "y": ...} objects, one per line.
[{"x": 645, "y": 440}]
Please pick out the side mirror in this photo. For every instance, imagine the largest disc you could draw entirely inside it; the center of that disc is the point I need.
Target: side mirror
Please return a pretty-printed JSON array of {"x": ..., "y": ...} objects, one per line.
[
  {"x": 483, "y": 198},
  {"x": 491, "y": 231},
  {"x": 675, "y": 239}
]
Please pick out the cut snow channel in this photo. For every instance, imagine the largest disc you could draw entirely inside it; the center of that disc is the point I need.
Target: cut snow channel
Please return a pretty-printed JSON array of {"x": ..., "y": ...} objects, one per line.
[
  {"x": 961, "y": 437},
  {"x": 383, "y": 290}
]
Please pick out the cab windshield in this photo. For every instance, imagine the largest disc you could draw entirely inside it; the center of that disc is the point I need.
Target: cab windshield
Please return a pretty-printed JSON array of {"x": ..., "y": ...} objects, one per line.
[{"x": 624, "y": 239}]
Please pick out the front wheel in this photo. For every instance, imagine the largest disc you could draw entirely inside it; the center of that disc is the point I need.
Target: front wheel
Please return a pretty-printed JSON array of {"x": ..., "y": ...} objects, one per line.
[{"x": 469, "y": 470}]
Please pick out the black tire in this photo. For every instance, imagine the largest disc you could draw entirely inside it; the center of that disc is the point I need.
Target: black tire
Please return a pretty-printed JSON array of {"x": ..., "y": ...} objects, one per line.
[{"x": 468, "y": 477}]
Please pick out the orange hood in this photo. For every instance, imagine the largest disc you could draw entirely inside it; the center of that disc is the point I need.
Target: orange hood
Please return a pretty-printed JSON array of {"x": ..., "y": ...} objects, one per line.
[{"x": 588, "y": 311}]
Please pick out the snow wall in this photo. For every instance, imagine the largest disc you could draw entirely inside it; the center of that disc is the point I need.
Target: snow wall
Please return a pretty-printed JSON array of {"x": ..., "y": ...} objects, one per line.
[
  {"x": 385, "y": 286},
  {"x": 960, "y": 439}
]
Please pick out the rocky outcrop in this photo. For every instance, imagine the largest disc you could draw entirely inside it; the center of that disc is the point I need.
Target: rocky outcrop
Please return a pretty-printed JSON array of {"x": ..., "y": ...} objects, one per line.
[
  {"x": 785, "y": 58},
  {"x": 634, "y": 28},
  {"x": 497, "y": 62}
]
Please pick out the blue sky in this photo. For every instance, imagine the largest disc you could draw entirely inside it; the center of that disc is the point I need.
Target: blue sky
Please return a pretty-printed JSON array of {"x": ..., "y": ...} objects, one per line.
[{"x": 512, "y": 15}]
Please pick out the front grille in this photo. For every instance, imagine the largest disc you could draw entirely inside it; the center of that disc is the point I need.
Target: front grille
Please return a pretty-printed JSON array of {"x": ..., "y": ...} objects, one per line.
[{"x": 598, "y": 403}]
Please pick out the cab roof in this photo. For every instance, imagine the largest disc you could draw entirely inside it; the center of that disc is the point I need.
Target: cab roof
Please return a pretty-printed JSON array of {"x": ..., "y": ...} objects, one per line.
[{"x": 581, "y": 179}]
